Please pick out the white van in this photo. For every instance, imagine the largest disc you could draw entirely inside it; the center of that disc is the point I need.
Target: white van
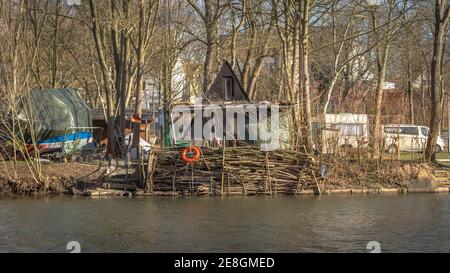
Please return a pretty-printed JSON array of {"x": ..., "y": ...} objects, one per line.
[{"x": 408, "y": 138}]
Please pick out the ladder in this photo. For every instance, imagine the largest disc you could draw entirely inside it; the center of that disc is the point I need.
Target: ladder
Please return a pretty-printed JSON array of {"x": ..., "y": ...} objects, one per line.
[{"x": 121, "y": 148}]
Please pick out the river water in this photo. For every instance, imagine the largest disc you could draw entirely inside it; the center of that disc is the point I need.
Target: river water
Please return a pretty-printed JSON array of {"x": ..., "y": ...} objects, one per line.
[{"x": 403, "y": 223}]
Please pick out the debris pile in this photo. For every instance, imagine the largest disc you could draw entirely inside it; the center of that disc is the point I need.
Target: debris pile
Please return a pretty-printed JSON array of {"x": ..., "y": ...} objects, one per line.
[{"x": 233, "y": 171}]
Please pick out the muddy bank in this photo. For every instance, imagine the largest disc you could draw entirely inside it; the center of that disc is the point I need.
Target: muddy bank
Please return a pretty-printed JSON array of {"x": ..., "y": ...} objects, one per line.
[
  {"x": 56, "y": 178},
  {"x": 388, "y": 178}
]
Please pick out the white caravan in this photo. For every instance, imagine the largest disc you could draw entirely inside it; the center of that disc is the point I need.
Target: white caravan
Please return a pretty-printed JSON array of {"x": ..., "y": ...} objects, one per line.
[{"x": 343, "y": 131}]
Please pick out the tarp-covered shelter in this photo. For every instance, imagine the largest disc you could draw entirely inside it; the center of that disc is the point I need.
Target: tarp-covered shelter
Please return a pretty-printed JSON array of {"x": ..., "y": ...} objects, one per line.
[{"x": 57, "y": 116}]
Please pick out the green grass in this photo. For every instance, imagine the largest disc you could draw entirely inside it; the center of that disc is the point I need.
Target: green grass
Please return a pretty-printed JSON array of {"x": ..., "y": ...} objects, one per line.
[
  {"x": 415, "y": 156},
  {"x": 443, "y": 155},
  {"x": 404, "y": 156},
  {"x": 411, "y": 156}
]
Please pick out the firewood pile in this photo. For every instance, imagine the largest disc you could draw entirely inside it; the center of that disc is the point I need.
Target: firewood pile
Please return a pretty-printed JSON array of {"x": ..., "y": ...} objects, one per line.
[{"x": 233, "y": 171}]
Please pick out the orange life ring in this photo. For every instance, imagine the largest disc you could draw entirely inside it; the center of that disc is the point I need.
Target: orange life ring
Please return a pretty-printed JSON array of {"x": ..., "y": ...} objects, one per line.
[{"x": 187, "y": 150}]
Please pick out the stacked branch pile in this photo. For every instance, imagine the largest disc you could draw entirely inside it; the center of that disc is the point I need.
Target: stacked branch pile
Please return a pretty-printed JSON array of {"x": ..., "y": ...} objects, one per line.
[{"x": 235, "y": 171}]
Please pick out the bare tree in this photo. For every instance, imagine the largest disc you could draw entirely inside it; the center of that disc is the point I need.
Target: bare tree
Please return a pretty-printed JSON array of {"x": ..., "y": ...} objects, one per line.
[
  {"x": 175, "y": 41},
  {"x": 237, "y": 18},
  {"x": 287, "y": 21},
  {"x": 382, "y": 53},
  {"x": 260, "y": 30},
  {"x": 148, "y": 11},
  {"x": 210, "y": 12},
  {"x": 338, "y": 50},
  {"x": 15, "y": 79},
  {"x": 441, "y": 22},
  {"x": 98, "y": 34},
  {"x": 304, "y": 73}
]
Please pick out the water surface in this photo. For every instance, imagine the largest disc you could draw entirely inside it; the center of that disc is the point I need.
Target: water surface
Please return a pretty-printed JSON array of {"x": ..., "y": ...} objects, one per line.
[{"x": 403, "y": 223}]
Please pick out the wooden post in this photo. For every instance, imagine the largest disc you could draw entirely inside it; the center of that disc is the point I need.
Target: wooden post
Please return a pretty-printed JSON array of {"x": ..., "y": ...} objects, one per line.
[
  {"x": 173, "y": 182},
  {"x": 191, "y": 183},
  {"x": 298, "y": 182},
  {"x": 146, "y": 132},
  {"x": 223, "y": 166},
  {"x": 268, "y": 179},
  {"x": 173, "y": 178},
  {"x": 142, "y": 170},
  {"x": 265, "y": 166},
  {"x": 150, "y": 171},
  {"x": 316, "y": 187},
  {"x": 228, "y": 183},
  {"x": 140, "y": 166}
]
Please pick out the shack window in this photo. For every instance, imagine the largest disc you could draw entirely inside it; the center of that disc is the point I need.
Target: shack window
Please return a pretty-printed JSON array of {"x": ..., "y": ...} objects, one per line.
[{"x": 229, "y": 88}]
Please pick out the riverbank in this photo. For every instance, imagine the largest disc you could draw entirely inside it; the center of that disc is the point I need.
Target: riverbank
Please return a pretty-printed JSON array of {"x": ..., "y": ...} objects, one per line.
[
  {"x": 306, "y": 177},
  {"x": 245, "y": 171},
  {"x": 53, "y": 178},
  {"x": 387, "y": 177}
]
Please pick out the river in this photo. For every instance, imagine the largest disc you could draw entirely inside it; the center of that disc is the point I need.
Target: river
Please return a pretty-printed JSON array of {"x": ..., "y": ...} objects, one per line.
[{"x": 402, "y": 223}]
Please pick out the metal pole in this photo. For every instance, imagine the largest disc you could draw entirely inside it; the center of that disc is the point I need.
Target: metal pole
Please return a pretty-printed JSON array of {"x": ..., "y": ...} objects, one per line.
[{"x": 173, "y": 130}]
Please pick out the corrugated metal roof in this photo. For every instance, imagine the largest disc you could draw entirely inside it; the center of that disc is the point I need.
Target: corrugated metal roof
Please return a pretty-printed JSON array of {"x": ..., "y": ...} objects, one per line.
[{"x": 98, "y": 114}]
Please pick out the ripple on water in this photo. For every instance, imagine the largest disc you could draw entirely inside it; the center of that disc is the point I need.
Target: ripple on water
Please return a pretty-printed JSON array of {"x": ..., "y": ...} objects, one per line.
[{"x": 411, "y": 223}]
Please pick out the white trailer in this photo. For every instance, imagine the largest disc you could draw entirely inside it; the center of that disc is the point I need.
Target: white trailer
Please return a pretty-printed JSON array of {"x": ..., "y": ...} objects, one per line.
[{"x": 344, "y": 131}]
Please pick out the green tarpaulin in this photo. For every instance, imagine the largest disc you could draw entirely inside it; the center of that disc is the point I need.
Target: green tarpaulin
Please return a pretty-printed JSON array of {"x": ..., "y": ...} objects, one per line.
[{"x": 53, "y": 111}]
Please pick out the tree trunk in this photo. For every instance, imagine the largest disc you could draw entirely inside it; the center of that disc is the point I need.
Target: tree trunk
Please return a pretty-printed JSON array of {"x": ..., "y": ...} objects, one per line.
[
  {"x": 124, "y": 70},
  {"x": 234, "y": 30},
  {"x": 379, "y": 100},
  {"x": 111, "y": 120},
  {"x": 211, "y": 40},
  {"x": 382, "y": 52},
  {"x": 305, "y": 76},
  {"x": 140, "y": 76},
  {"x": 251, "y": 87},
  {"x": 55, "y": 45},
  {"x": 440, "y": 31},
  {"x": 410, "y": 93},
  {"x": 139, "y": 97}
]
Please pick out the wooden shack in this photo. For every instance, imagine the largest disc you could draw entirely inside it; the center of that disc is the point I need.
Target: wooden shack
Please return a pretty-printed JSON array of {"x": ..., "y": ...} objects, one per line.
[
  {"x": 99, "y": 120},
  {"x": 226, "y": 86},
  {"x": 225, "y": 95}
]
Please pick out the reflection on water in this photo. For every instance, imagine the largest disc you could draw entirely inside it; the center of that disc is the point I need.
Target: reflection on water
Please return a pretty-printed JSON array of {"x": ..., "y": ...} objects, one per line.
[{"x": 404, "y": 223}]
